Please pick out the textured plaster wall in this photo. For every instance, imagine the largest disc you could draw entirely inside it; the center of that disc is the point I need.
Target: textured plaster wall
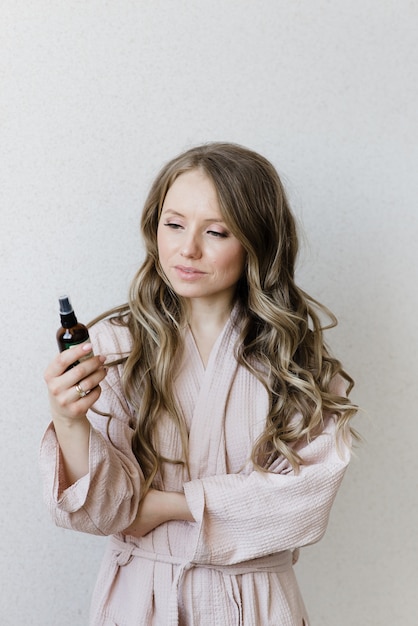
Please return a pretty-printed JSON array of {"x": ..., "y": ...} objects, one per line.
[{"x": 94, "y": 97}]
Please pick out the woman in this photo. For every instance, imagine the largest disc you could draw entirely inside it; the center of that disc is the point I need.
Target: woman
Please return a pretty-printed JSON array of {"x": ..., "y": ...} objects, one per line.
[{"x": 218, "y": 432}]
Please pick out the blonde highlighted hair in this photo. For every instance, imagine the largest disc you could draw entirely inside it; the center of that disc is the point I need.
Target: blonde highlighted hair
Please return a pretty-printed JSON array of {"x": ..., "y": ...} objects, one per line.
[{"x": 281, "y": 335}]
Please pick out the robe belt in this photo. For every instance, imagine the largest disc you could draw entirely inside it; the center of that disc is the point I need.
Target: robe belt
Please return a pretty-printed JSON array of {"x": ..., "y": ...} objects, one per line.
[{"x": 124, "y": 553}]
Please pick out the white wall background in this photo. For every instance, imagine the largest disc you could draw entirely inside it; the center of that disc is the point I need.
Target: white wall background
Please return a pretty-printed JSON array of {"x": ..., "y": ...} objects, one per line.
[{"x": 94, "y": 97}]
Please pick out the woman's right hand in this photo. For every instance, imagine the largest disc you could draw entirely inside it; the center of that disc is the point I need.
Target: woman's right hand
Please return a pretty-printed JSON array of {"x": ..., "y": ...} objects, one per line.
[
  {"x": 67, "y": 386},
  {"x": 71, "y": 393}
]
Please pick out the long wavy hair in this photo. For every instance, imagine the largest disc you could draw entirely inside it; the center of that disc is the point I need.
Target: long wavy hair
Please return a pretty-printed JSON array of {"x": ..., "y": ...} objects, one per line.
[{"x": 281, "y": 334}]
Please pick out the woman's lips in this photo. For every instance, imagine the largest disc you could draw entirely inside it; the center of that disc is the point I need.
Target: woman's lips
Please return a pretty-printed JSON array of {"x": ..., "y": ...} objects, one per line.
[{"x": 188, "y": 273}]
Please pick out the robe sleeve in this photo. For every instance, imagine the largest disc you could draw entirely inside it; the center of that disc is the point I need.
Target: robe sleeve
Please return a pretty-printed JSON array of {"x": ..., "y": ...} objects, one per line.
[
  {"x": 106, "y": 500},
  {"x": 246, "y": 517}
]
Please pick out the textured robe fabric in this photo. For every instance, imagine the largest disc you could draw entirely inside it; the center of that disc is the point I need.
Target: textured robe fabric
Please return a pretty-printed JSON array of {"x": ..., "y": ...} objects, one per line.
[{"x": 233, "y": 565}]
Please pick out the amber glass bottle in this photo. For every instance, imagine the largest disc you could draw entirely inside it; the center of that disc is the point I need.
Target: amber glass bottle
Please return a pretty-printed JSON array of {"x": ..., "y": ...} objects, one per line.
[{"x": 72, "y": 332}]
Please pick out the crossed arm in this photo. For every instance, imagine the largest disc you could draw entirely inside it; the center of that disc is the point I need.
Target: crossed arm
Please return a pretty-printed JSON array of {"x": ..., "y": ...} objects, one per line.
[{"x": 156, "y": 508}]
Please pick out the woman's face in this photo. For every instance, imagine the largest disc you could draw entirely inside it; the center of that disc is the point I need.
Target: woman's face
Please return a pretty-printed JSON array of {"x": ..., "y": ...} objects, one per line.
[{"x": 198, "y": 254}]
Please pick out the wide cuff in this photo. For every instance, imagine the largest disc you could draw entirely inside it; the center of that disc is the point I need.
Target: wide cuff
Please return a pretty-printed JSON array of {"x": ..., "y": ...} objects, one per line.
[{"x": 72, "y": 498}]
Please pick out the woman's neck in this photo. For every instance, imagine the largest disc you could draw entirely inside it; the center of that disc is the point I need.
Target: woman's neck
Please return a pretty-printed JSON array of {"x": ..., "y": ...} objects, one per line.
[
  {"x": 206, "y": 318},
  {"x": 206, "y": 323}
]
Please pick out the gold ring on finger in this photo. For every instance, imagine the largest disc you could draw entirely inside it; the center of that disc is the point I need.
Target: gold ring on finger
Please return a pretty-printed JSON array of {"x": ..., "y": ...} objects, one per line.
[{"x": 81, "y": 391}]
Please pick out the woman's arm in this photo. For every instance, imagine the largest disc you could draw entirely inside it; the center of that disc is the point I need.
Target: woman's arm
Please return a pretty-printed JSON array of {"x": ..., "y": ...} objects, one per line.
[
  {"x": 156, "y": 508},
  {"x": 100, "y": 493},
  {"x": 278, "y": 510},
  {"x": 243, "y": 517},
  {"x": 69, "y": 409}
]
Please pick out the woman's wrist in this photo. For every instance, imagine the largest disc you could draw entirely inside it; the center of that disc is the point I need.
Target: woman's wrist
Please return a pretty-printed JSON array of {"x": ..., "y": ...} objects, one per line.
[{"x": 177, "y": 507}]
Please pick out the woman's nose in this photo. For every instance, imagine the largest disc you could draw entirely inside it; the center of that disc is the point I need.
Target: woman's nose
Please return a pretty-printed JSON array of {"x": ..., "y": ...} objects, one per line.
[{"x": 191, "y": 247}]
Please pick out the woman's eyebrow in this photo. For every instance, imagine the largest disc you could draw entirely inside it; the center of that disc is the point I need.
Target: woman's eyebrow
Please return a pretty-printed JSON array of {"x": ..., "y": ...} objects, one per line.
[
  {"x": 209, "y": 220},
  {"x": 172, "y": 212}
]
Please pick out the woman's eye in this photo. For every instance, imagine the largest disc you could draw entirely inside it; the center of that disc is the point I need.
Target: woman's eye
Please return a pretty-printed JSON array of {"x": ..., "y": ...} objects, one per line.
[
  {"x": 216, "y": 233},
  {"x": 172, "y": 225}
]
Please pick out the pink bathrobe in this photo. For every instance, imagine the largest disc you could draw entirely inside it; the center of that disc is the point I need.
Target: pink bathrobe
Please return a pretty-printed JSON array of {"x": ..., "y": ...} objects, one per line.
[{"x": 233, "y": 565}]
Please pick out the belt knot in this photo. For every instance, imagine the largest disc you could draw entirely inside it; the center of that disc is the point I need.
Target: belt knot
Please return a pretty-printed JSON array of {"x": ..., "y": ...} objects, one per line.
[{"x": 125, "y": 556}]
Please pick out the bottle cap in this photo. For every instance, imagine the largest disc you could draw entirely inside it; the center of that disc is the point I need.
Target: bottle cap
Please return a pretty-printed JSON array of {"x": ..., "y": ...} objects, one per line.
[{"x": 65, "y": 305}]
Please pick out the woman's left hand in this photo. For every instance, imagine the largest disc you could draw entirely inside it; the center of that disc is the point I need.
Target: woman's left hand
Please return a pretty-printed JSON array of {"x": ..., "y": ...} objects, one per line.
[{"x": 156, "y": 508}]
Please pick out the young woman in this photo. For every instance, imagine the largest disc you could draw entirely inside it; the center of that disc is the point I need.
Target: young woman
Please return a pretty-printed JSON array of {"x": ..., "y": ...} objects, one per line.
[{"x": 210, "y": 433}]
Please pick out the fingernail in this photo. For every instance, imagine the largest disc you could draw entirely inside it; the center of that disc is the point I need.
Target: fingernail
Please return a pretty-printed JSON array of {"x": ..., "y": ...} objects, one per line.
[
  {"x": 102, "y": 359},
  {"x": 87, "y": 347}
]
